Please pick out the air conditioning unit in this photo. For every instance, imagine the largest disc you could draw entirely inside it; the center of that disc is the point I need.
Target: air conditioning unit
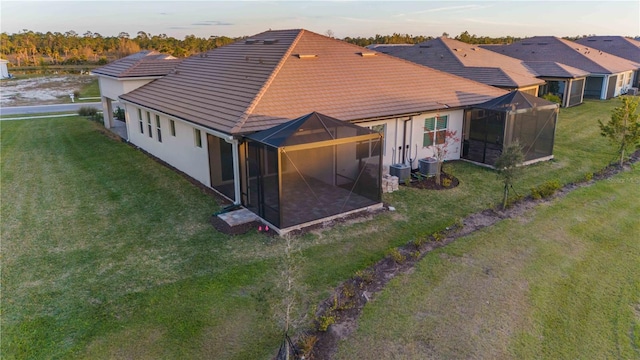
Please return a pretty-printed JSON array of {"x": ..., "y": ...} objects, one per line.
[
  {"x": 632, "y": 91},
  {"x": 402, "y": 171},
  {"x": 428, "y": 166}
]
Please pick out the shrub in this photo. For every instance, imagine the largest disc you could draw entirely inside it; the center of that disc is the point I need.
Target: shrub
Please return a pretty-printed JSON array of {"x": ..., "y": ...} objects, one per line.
[
  {"x": 396, "y": 255},
  {"x": 118, "y": 113},
  {"x": 553, "y": 98},
  {"x": 87, "y": 111},
  {"x": 545, "y": 190},
  {"x": 325, "y": 321},
  {"x": 446, "y": 182},
  {"x": 76, "y": 94},
  {"x": 588, "y": 176}
]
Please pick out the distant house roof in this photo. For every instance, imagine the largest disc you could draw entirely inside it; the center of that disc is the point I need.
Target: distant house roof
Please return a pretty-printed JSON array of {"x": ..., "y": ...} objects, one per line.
[
  {"x": 616, "y": 45},
  {"x": 142, "y": 64},
  {"x": 516, "y": 101},
  {"x": 554, "y": 69},
  {"x": 550, "y": 48},
  {"x": 387, "y": 48},
  {"x": 273, "y": 77},
  {"x": 471, "y": 62}
]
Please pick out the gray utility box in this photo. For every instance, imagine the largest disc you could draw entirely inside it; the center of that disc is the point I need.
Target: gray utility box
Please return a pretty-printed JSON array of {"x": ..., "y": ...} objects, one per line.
[
  {"x": 402, "y": 171},
  {"x": 427, "y": 167}
]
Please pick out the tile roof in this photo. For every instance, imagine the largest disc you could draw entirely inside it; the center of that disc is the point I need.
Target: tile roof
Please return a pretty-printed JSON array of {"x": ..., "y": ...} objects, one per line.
[
  {"x": 279, "y": 75},
  {"x": 554, "y": 69},
  {"x": 141, "y": 64},
  {"x": 616, "y": 45},
  {"x": 551, "y": 48},
  {"x": 470, "y": 61}
]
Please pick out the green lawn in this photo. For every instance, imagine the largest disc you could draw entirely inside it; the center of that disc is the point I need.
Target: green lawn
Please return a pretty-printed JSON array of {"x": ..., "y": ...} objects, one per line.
[
  {"x": 91, "y": 89},
  {"x": 107, "y": 254},
  {"x": 562, "y": 282}
]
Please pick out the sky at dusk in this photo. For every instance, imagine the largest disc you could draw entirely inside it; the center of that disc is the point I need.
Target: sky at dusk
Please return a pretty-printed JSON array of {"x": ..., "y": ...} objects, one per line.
[{"x": 343, "y": 18}]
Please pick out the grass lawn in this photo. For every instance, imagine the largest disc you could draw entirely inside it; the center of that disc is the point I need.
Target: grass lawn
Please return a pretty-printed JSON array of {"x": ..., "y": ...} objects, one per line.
[
  {"x": 560, "y": 283},
  {"x": 91, "y": 89},
  {"x": 107, "y": 254}
]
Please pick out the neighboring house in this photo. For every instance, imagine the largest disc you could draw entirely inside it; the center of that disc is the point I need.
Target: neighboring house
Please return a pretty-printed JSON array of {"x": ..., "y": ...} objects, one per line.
[
  {"x": 608, "y": 74},
  {"x": 563, "y": 81},
  {"x": 197, "y": 117},
  {"x": 619, "y": 46},
  {"x": 471, "y": 62},
  {"x": 129, "y": 73},
  {"x": 4, "y": 71}
]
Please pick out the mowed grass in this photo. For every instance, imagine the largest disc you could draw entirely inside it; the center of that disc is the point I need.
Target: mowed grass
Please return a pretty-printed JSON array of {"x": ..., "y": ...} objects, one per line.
[
  {"x": 107, "y": 254},
  {"x": 560, "y": 283}
]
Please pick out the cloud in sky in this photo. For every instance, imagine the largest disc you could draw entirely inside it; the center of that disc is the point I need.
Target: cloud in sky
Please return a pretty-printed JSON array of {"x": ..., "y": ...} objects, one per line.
[{"x": 212, "y": 23}]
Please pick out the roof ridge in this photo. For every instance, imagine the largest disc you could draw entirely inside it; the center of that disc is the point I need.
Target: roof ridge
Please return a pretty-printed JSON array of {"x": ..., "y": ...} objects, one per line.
[
  {"x": 446, "y": 46},
  {"x": 267, "y": 83}
]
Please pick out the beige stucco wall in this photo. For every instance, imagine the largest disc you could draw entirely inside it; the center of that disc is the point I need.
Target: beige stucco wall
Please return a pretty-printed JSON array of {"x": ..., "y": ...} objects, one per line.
[
  {"x": 415, "y": 133},
  {"x": 179, "y": 151},
  {"x": 112, "y": 88}
]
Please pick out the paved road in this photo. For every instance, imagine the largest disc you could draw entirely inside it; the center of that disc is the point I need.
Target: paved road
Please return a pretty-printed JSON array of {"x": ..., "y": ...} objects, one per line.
[{"x": 38, "y": 109}]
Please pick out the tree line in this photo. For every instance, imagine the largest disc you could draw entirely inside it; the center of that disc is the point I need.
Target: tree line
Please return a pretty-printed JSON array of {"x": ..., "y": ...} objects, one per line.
[{"x": 29, "y": 48}]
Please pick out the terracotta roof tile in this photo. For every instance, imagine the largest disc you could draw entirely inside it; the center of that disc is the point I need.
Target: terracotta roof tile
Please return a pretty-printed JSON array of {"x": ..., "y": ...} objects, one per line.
[
  {"x": 251, "y": 86},
  {"x": 617, "y": 45},
  {"x": 142, "y": 64},
  {"x": 550, "y": 48},
  {"x": 469, "y": 61}
]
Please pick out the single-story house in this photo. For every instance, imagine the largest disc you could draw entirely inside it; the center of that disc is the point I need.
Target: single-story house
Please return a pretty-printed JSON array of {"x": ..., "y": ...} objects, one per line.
[
  {"x": 129, "y": 73},
  {"x": 203, "y": 115},
  {"x": 619, "y": 46},
  {"x": 563, "y": 81},
  {"x": 471, "y": 62},
  {"x": 516, "y": 116},
  {"x": 609, "y": 75},
  {"x": 4, "y": 71}
]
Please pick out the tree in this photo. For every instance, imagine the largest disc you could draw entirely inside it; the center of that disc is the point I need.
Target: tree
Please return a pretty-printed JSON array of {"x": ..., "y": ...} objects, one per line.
[
  {"x": 508, "y": 166},
  {"x": 623, "y": 130},
  {"x": 441, "y": 149}
]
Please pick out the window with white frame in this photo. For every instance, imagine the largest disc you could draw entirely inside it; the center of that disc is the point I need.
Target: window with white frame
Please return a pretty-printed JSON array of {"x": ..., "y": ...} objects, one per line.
[
  {"x": 140, "y": 120},
  {"x": 158, "y": 130},
  {"x": 620, "y": 80},
  {"x": 172, "y": 127},
  {"x": 149, "y": 124},
  {"x": 434, "y": 130},
  {"x": 198, "y": 137}
]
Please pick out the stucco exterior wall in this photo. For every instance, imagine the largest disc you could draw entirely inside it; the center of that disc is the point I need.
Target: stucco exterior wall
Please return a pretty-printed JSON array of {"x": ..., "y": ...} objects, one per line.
[
  {"x": 179, "y": 151},
  {"x": 112, "y": 88},
  {"x": 394, "y": 137}
]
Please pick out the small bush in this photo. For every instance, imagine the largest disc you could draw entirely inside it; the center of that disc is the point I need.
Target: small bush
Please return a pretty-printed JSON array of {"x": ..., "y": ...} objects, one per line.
[
  {"x": 437, "y": 236},
  {"x": 118, "y": 113},
  {"x": 87, "y": 111},
  {"x": 553, "y": 98},
  {"x": 446, "y": 182},
  {"x": 325, "y": 321},
  {"x": 76, "y": 94},
  {"x": 396, "y": 255},
  {"x": 588, "y": 176},
  {"x": 366, "y": 276},
  {"x": 545, "y": 190}
]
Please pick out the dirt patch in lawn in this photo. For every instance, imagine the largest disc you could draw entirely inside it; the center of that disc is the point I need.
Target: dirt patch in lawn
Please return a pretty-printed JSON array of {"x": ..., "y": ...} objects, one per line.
[
  {"x": 337, "y": 316},
  {"x": 42, "y": 90}
]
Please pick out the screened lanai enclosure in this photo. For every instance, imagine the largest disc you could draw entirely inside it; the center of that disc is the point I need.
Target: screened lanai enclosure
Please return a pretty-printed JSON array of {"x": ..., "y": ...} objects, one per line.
[
  {"x": 491, "y": 126},
  {"x": 311, "y": 168}
]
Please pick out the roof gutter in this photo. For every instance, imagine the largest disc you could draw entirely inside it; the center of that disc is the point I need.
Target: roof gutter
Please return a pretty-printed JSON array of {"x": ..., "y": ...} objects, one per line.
[
  {"x": 152, "y": 77},
  {"x": 227, "y": 137}
]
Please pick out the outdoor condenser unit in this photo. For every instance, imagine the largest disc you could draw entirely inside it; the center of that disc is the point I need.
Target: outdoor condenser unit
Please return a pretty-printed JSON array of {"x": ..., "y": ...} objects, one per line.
[
  {"x": 402, "y": 171},
  {"x": 632, "y": 91},
  {"x": 427, "y": 167}
]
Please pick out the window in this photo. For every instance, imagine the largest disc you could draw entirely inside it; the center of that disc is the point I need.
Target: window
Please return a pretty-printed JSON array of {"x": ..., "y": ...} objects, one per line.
[
  {"x": 140, "y": 120},
  {"x": 158, "y": 131},
  {"x": 620, "y": 80},
  {"x": 198, "y": 137},
  {"x": 172, "y": 126},
  {"x": 149, "y": 124},
  {"x": 434, "y": 130}
]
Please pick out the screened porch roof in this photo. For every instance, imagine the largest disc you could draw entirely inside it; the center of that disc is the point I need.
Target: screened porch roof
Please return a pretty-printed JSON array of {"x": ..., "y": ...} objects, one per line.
[
  {"x": 516, "y": 101},
  {"x": 310, "y": 128}
]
